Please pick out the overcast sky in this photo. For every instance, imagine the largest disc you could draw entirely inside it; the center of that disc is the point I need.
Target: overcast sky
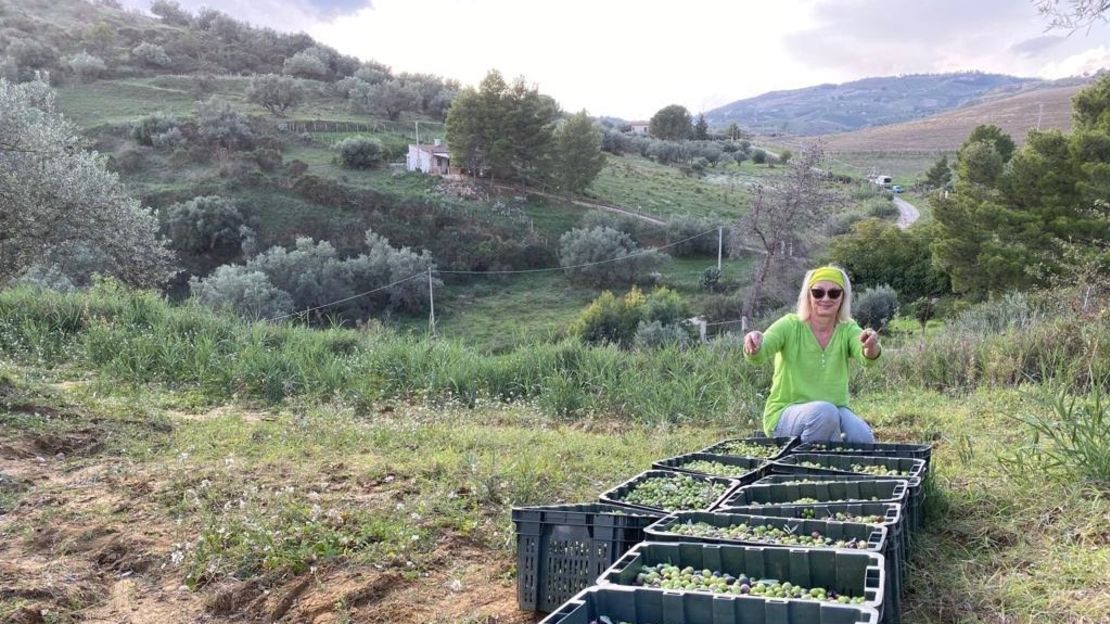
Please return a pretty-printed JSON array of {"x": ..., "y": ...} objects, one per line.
[{"x": 629, "y": 58}]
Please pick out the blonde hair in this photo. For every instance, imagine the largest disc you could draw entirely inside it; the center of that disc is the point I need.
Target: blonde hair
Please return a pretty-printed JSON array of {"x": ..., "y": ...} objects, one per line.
[{"x": 845, "y": 312}]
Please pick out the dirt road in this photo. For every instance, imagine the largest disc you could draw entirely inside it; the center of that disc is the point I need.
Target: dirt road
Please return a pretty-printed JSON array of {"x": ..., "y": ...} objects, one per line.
[{"x": 907, "y": 213}]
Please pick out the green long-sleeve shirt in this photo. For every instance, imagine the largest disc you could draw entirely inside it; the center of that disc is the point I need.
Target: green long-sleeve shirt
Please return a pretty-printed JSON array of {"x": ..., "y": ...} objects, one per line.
[{"x": 803, "y": 371}]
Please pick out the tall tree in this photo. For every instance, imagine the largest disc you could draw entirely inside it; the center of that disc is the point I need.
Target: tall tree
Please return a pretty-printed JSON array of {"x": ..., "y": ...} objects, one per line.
[
  {"x": 1012, "y": 226},
  {"x": 54, "y": 193},
  {"x": 503, "y": 130},
  {"x": 939, "y": 175},
  {"x": 785, "y": 214},
  {"x": 578, "y": 149},
  {"x": 671, "y": 123},
  {"x": 701, "y": 128}
]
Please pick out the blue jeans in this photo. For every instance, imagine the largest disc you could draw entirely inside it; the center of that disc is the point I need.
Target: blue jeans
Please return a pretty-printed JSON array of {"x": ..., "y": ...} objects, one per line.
[{"x": 821, "y": 421}]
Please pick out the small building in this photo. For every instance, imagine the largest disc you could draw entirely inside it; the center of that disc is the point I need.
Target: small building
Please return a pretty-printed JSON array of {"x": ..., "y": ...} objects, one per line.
[
  {"x": 882, "y": 180},
  {"x": 639, "y": 127},
  {"x": 426, "y": 158}
]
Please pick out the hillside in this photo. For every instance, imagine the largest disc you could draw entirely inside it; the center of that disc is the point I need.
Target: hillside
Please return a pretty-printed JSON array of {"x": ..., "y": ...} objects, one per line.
[
  {"x": 830, "y": 108},
  {"x": 1016, "y": 115}
]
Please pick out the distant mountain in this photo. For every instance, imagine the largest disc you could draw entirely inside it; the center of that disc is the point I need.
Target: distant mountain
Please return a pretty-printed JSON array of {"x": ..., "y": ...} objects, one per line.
[
  {"x": 1046, "y": 108},
  {"x": 829, "y": 108}
]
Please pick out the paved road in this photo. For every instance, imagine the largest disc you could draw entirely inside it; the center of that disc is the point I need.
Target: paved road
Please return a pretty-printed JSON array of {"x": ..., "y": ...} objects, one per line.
[{"x": 907, "y": 213}]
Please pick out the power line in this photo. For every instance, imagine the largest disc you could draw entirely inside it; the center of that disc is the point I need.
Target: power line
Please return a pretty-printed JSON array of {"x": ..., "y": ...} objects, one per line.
[
  {"x": 345, "y": 299},
  {"x": 429, "y": 272}
]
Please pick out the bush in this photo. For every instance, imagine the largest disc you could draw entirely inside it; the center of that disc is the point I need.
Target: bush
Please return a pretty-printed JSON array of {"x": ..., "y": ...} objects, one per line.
[
  {"x": 638, "y": 229},
  {"x": 621, "y": 260},
  {"x": 306, "y": 64},
  {"x": 149, "y": 128},
  {"x": 209, "y": 225},
  {"x": 666, "y": 306},
  {"x": 710, "y": 280},
  {"x": 86, "y": 66},
  {"x": 882, "y": 208},
  {"x": 151, "y": 55},
  {"x": 688, "y": 226},
  {"x": 249, "y": 294},
  {"x": 654, "y": 335},
  {"x": 267, "y": 158},
  {"x": 221, "y": 125},
  {"x": 360, "y": 152},
  {"x": 875, "y": 307},
  {"x": 759, "y": 156},
  {"x": 611, "y": 320}
]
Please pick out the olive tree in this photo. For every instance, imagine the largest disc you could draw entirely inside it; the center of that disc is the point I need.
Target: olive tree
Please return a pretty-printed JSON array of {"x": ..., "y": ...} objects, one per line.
[
  {"x": 602, "y": 255},
  {"x": 54, "y": 192},
  {"x": 275, "y": 93}
]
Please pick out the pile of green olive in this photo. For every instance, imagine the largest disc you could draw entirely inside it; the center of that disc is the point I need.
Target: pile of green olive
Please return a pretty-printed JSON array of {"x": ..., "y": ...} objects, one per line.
[
  {"x": 668, "y": 576},
  {"x": 677, "y": 493},
  {"x": 765, "y": 534}
]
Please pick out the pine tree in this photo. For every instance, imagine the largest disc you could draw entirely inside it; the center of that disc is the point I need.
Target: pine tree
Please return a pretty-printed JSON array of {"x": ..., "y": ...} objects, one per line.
[
  {"x": 939, "y": 175},
  {"x": 578, "y": 149},
  {"x": 701, "y": 128}
]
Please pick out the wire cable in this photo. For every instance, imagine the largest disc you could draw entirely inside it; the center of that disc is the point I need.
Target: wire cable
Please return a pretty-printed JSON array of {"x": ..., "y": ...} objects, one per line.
[{"x": 345, "y": 299}]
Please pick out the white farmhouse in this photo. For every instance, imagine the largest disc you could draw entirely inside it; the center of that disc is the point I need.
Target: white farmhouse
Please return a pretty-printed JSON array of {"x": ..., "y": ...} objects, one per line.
[
  {"x": 432, "y": 158},
  {"x": 639, "y": 127}
]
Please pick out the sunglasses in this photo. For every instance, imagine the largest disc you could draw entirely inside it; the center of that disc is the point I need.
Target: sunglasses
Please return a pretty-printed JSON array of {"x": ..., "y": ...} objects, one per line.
[{"x": 819, "y": 293}]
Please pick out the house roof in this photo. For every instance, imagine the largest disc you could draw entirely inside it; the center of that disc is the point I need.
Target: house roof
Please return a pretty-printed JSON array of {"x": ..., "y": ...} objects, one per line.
[{"x": 435, "y": 150}]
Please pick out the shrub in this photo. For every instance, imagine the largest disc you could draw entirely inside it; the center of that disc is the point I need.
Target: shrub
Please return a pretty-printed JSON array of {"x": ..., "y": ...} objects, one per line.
[
  {"x": 611, "y": 320},
  {"x": 220, "y": 124},
  {"x": 654, "y": 335},
  {"x": 882, "y": 208},
  {"x": 306, "y": 64},
  {"x": 610, "y": 256},
  {"x": 875, "y": 307},
  {"x": 638, "y": 229},
  {"x": 759, "y": 156},
  {"x": 86, "y": 66},
  {"x": 207, "y": 225},
  {"x": 249, "y": 294},
  {"x": 267, "y": 158},
  {"x": 710, "y": 280},
  {"x": 149, "y": 128},
  {"x": 666, "y": 306},
  {"x": 170, "y": 139},
  {"x": 687, "y": 227},
  {"x": 360, "y": 152},
  {"x": 152, "y": 55}
]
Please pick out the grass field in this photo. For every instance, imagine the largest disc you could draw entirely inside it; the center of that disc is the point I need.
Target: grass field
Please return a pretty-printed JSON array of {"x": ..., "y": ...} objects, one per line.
[
  {"x": 154, "y": 500},
  {"x": 638, "y": 184}
]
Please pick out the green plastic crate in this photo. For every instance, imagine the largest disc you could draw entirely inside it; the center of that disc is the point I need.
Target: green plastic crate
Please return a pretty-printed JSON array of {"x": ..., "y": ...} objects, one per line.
[
  {"x": 748, "y": 469},
  {"x": 614, "y": 496},
  {"x": 781, "y": 445},
  {"x": 857, "y": 573},
  {"x": 641, "y": 606},
  {"x": 562, "y": 549}
]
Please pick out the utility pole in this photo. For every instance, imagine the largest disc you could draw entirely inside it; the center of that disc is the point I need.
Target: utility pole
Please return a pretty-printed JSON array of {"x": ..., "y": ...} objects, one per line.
[
  {"x": 1040, "y": 112},
  {"x": 417, "y": 122},
  {"x": 720, "y": 244},
  {"x": 431, "y": 305}
]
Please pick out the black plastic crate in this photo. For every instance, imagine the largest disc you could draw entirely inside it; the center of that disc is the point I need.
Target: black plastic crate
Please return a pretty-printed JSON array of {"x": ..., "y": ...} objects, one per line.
[
  {"x": 842, "y": 465},
  {"x": 856, "y": 573},
  {"x": 878, "y": 449},
  {"x": 614, "y": 496},
  {"x": 875, "y": 536},
  {"x": 747, "y": 469},
  {"x": 562, "y": 549},
  {"x": 776, "y": 447},
  {"x": 642, "y": 606},
  {"x": 844, "y": 491}
]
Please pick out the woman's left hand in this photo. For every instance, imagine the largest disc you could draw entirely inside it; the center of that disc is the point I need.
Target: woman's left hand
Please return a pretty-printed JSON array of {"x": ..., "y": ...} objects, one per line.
[{"x": 870, "y": 340}]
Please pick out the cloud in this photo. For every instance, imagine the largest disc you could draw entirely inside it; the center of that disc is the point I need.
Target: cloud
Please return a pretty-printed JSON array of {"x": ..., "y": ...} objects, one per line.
[
  {"x": 1084, "y": 63},
  {"x": 904, "y": 36},
  {"x": 285, "y": 15},
  {"x": 1037, "y": 45}
]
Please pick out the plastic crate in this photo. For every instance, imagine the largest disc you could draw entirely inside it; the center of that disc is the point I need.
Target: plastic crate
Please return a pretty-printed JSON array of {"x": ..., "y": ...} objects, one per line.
[
  {"x": 843, "y": 571},
  {"x": 879, "y": 449},
  {"x": 876, "y": 536},
  {"x": 748, "y": 469},
  {"x": 641, "y": 606},
  {"x": 891, "y": 513},
  {"x": 847, "y": 491},
  {"x": 562, "y": 549},
  {"x": 614, "y": 496},
  {"x": 842, "y": 465},
  {"x": 783, "y": 445}
]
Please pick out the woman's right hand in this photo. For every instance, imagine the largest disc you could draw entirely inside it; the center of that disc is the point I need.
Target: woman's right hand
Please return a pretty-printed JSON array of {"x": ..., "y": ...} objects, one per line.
[{"x": 752, "y": 342}]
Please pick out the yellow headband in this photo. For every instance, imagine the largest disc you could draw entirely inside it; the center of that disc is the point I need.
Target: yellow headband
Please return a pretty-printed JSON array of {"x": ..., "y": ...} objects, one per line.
[{"x": 826, "y": 274}]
